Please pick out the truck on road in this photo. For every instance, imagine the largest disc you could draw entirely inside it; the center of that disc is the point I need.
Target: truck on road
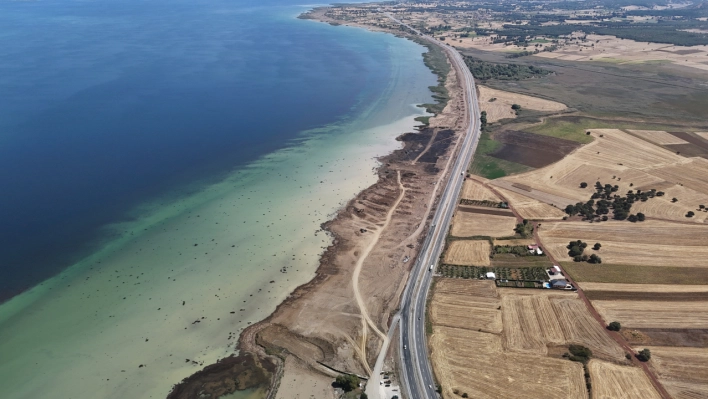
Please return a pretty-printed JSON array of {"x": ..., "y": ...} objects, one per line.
[{"x": 431, "y": 267}]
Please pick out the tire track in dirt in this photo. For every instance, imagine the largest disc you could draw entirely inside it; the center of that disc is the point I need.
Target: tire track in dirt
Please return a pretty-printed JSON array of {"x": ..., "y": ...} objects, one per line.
[{"x": 365, "y": 319}]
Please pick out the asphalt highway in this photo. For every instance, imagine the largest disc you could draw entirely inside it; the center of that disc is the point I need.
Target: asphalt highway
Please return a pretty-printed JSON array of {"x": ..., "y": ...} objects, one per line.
[{"x": 417, "y": 374}]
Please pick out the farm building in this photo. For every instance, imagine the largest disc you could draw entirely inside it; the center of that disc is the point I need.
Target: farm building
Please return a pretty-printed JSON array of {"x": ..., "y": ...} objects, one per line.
[
  {"x": 491, "y": 276},
  {"x": 554, "y": 270},
  {"x": 561, "y": 285}
]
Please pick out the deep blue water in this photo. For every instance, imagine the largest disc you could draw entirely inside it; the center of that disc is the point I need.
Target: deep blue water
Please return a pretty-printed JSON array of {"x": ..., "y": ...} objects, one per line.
[{"x": 106, "y": 104}]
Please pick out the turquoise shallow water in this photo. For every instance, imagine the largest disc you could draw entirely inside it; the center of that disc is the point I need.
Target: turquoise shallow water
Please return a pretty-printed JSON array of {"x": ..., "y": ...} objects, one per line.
[{"x": 181, "y": 268}]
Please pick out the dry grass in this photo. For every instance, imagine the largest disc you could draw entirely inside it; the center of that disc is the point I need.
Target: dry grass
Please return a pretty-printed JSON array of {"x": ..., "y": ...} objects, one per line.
[
  {"x": 682, "y": 371},
  {"x": 515, "y": 241},
  {"x": 474, "y": 190},
  {"x": 692, "y": 174},
  {"x": 654, "y": 314},
  {"x": 530, "y": 208},
  {"x": 650, "y": 243},
  {"x": 468, "y": 253},
  {"x": 466, "y": 224},
  {"x": 531, "y": 322},
  {"x": 642, "y": 287},
  {"x": 658, "y": 137},
  {"x": 611, "y": 381},
  {"x": 501, "y": 107},
  {"x": 468, "y": 304},
  {"x": 703, "y": 135},
  {"x": 475, "y": 363}
]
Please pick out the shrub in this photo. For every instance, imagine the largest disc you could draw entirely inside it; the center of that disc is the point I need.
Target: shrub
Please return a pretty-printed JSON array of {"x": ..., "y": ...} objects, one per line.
[
  {"x": 516, "y": 107},
  {"x": 690, "y": 214},
  {"x": 594, "y": 259},
  {"x": 614, "y": 326},
  {"x": 583, "y": 185},
  {"x": 597, "y": 246},
  {"x": 363, "y": 396},
  {"x": 644, "y": 355}
]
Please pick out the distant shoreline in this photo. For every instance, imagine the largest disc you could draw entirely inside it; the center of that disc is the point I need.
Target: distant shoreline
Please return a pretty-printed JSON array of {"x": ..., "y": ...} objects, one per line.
[{"x": 257, "y": 355}]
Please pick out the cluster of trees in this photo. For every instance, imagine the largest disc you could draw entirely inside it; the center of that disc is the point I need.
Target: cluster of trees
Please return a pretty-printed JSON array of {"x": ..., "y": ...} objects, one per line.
[
  {"x": 347, "y": 382},
  {"x": 487, "y": 70},
  {"x": 608, "y": 199},
  {"x": 578, "y": 353},
  {"x": 524, "y": 229},
  {"x": 576, "y": 250},
  {"x": 483, "y": 119}
]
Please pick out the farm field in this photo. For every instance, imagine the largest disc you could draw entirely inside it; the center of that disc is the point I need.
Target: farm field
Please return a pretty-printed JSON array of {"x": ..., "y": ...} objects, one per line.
[
  {"x": 532, "y": 322},
  {"x": 475, "y": 363},
  {"x": 658, "y": 136},
  {"x": 500, "y": 108},
  {"x": 682, "y": 371},
  {"x": 649, "y": 288},
  {"x": 530, "y": 208},
  {"x": 634, "y": 274},
  {"x": 655, "y": 314},
  {"x": 468, "y": 304},
  {"x": 474, "y": 190},
  {"x": 614, "y": 381},
  {"x": 650, "y": 243},
  {"x": 466, "y": 224},
  {"x": 629, "y": 162},
  {"x": 468, "y": 253},
  {"x": 531, "y": 149}
]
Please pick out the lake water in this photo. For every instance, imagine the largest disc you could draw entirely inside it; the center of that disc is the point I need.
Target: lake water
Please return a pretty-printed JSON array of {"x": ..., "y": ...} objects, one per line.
[{"x": 165, "y": 164}]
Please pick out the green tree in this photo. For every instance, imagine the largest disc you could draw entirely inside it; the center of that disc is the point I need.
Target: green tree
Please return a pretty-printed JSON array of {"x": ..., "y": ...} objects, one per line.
[
  {"x": 633, "y": 218},
  {"x": 644, "y": 355},
  {"x": 641, "y": 217},
  {"x": 594, "y": 259},
  {"x": 597, "y": 246},
  {"x": 689, "y": 214},
  {"x": 483, "y": 119},
  {"x": 363, "y": 396},
  {"x": 347, "y": 382},
  {"x": 516, "y": 107},
  {"x": 614, "y": 326},
  {"x": 583, "y": 185}
]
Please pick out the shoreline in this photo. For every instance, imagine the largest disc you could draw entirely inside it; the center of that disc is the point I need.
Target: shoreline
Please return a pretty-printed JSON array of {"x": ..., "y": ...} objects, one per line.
[{"x": 257, "y": 344}]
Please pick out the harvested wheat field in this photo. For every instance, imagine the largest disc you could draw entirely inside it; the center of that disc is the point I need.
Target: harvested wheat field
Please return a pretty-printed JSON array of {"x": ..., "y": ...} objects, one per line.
[
  {"x": 612, "y": 381},
  {"x": 655, "y": 314},
  {"x": 617, "y": 158},
  {"x": 468, "y": 253},
  {"x": 468, "y": 304},
  {"x": 532, "y": 322},
  {"x": 500, "y": 108},
  {"x": 474, "y": 190},
  {"x": 474, "y": 363},
  {"x": 650, "y": 243},
  {"x": 663, "y": 208},
  {"x": 658, "y": 136},
  {"x": 530, "y": 208},
  {"x": 692, "y": 174},
  {"x": 466, "y": 224},
  {"x": 703, "y": 135},
  {"x": 660, "y": 288},
  {"x": 682, "y": 371}
]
